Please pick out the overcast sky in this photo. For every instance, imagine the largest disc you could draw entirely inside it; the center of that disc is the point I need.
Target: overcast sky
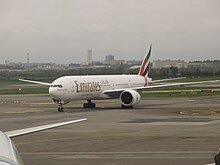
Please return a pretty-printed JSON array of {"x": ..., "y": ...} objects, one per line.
[{"x": 62, "y": 30}]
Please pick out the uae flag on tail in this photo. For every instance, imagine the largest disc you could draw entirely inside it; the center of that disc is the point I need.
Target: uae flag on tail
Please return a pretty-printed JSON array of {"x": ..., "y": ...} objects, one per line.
[{"x": 144, "y": 69}]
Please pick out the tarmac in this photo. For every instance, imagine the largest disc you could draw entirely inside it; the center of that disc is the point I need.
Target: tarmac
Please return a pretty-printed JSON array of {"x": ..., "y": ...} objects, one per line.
[{"x": 157, "y": 131}]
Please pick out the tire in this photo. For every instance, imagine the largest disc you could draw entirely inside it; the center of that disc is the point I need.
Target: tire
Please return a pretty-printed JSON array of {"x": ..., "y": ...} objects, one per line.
[
  {"x": 89, "y": 105},
  {"x": 126, "y": 107}
]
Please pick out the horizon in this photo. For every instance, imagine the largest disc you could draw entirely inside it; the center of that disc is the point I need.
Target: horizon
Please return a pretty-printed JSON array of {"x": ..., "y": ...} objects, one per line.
[{"x": 83, "y": 62}]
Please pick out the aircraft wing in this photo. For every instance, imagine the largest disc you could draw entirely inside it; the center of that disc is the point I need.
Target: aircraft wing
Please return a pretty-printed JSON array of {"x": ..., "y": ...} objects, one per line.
[
  {"x": 174, "y": 84},
  {"x": 40, "y": 128},
  {"x": 162, "y": 80},
  {"x": 116, "y": 91},
  {"x": 35, "y": 82}
]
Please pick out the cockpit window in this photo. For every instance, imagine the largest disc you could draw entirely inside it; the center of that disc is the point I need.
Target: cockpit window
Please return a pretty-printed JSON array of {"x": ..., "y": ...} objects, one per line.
[{"x": 59, "y": 86}]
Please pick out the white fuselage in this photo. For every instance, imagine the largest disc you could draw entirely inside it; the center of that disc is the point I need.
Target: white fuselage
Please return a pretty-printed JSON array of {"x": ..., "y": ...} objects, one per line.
[
  {"x": 70, "y": 88},
  {"x": 8, "y": 152}
]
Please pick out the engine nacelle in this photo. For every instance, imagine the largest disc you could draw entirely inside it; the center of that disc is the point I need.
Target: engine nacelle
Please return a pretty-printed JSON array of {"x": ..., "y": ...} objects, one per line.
[{"x": 130, "y": 97}]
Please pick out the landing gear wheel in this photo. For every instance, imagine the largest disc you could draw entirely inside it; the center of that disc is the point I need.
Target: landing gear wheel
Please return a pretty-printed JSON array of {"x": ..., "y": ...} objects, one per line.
[
  {"x": 60, "y": 109},
  {"x": 126, "y": 107},
  {"x": 89, "y": 105}
]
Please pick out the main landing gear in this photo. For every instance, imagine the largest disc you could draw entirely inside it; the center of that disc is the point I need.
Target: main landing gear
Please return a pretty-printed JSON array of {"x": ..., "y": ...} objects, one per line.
[
  {"x": 89, "y": 104},
  {"x": 126, "y": 107}
]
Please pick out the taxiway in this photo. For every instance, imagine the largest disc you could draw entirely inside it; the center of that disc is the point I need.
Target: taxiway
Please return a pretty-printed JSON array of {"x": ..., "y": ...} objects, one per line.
[{"x": 157, "y": 131}]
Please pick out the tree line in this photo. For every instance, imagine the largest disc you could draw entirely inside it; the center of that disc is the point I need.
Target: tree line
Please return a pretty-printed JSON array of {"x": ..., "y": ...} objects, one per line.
[{"x": 8, "y": 75}]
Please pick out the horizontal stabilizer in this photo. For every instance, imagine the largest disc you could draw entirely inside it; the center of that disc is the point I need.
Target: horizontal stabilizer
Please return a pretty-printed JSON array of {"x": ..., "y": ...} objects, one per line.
[
  {"x": 169, "y": 79},
  {"x": 40, "y": 128}
]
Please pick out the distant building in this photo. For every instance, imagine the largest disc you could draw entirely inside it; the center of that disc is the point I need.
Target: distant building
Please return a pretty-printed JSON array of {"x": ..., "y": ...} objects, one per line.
[
  {"x": 119, "y": 62},
  {"x": 89, "y": 56},
  {"x": 28, "y": 59},
  {"x": 110, "y": 59},
  {"x": 73, "y": 66},
  {"x": 169, "y": 63},
  {"x": 197, "y": 65},
  {"x": 204, "y": 64},
  {"x": 7, "y": 62},
  {"x": 134, "y": 62}
]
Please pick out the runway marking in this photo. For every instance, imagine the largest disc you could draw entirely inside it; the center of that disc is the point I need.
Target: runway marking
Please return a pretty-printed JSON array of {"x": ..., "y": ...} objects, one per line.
[
  {"x": 23, "y": 111},
  {"x": 45, "y": 103},
  {"x": 173, "y": 121},
  {"x": 126, "y": 152},
  {"x": 3, "y": 102},
  {"x": 179, "y": 123},
  {"x": 199, "y": 112},
  {"x": 47, "y": 140},
  {"x": 14, "y": 102},
  {"x": 127, "y": 155},
  {"x": 57, "y": 139}
]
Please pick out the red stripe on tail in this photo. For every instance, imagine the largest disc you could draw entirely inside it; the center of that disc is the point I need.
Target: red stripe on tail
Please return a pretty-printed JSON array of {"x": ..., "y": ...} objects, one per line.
[{"x": 141, "y": 72}]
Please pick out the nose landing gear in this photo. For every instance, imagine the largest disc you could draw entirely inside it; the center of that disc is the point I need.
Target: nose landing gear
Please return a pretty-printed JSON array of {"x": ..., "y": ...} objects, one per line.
[
  {"x": 88, "y": 105},
  {"x": 60, "y": 107}
]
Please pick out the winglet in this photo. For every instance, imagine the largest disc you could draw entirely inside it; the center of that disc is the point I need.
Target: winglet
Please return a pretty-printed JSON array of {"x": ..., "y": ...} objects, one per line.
[{"x": 144, "y": 69}]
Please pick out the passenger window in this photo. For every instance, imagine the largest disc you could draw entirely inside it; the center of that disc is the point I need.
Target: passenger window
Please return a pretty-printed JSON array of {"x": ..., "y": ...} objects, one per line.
[{"x": 59, "y": 86}]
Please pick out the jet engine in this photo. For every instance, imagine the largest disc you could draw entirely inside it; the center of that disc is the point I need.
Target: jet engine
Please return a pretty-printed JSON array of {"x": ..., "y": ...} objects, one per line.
[{"x": 130, "y": 97}]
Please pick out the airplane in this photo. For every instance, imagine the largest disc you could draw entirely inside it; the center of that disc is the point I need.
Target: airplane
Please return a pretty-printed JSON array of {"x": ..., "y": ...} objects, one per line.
[
  {"x": 127, "y": 88},
  {"x": 8, "y": 152},
  {"x": 216, "y": 159}
]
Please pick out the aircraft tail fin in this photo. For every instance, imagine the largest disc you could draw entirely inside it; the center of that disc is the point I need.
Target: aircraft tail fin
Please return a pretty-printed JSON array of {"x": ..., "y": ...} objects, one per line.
[{"x": 144, "y": 69}]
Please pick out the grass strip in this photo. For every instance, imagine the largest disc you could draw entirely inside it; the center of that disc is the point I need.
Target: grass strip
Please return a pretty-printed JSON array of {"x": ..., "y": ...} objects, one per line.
[
  {"x": 25, "y": 91},
  {"x": 180, "y": 94},
  {"x": 195, "y": 79},
  {"x": 188, "y": 87}
]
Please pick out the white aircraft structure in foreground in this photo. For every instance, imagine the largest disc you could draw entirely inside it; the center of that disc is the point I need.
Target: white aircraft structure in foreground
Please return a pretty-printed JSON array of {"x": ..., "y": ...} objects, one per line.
[
  {"x": 127, "y": 88},
  {"x": 216, "y": 159},
  {"x": 8, "y": 152}
]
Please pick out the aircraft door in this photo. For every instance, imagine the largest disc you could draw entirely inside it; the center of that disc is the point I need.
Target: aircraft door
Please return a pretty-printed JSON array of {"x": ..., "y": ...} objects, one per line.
[
  {"x": 112, "y": 84},
  {"x": 73, "y": 87}
]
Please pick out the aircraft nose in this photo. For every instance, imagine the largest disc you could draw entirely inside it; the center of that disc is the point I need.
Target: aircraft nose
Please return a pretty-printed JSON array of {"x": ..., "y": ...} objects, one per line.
[{"x": 53, "y": 93}]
